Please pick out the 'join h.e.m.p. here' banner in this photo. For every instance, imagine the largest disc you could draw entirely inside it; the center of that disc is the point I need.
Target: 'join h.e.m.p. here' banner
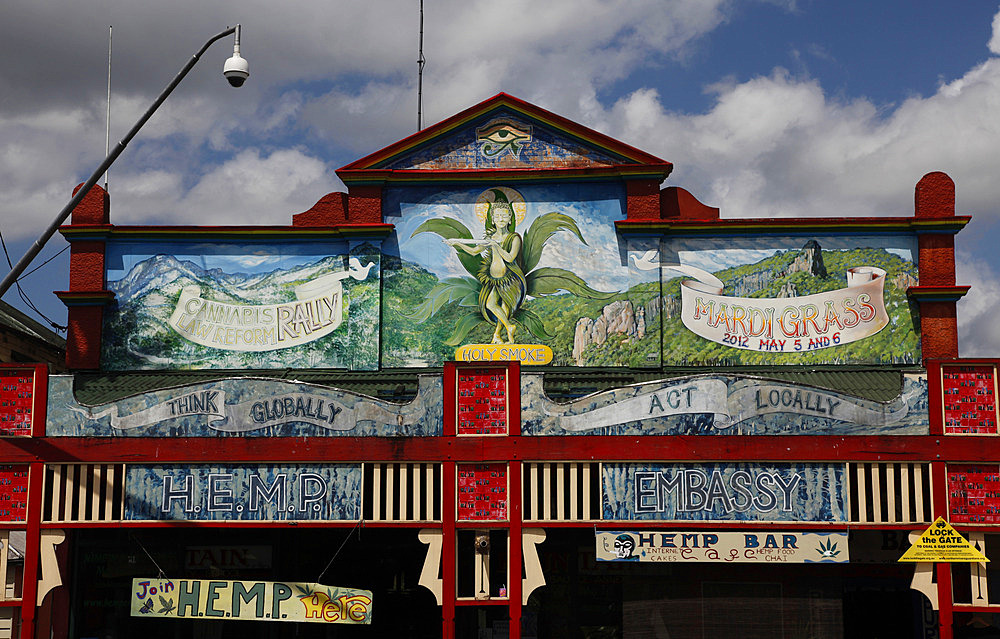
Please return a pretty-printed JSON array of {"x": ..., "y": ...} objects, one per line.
[{"x": 784, "y": 325}]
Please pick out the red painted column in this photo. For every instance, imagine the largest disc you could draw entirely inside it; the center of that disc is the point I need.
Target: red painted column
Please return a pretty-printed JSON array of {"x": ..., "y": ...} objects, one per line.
[
  {"x": 448, "y": 552},
  {"x": 934, "y": 198},
  {"x": 449, "y": 511},
  {"x": 86, "y": 276},
  {"x": 32, "y": 544},
  {"x": 935, "y": 398},
  {"x": 939, "y": 482},
  {"x": 516, "y": 555},
  {"x": 364, "y": 204},
  {"x": 515, "y": 513},
  {"x": 642, "y": 199}
]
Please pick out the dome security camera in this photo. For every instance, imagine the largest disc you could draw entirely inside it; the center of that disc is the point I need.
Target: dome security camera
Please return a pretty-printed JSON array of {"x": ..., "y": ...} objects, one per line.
[{"x": 236, "y": 70}]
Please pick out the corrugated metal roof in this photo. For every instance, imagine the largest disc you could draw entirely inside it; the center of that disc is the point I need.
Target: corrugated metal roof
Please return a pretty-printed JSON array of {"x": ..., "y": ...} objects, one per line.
[
  {"x": 400, "y": 385},
  {"x": 18, "y": 321},
  {"x": 101, "y": 388},
  {"x": 880, "y": 385}
]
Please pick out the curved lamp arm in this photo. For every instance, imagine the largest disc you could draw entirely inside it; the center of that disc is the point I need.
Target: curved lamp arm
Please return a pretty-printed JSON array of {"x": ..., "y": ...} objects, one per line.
[{"x": 36, "y": 248}]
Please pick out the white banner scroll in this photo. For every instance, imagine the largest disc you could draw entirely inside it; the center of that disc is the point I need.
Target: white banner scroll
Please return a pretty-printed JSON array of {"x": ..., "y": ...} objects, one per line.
[
  {"x": 210, "y": 403},
  {"x": 784, "y": 325},
  {"x": 731, "y": 405},
  {"x": 298, "y": 407},
  {"x": 696, "y": 396},
  {"x": 317, "y": 311}
]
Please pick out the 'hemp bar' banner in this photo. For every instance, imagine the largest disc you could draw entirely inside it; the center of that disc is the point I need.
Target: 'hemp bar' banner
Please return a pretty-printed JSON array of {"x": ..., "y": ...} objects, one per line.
[{"x": 724, "y": 547}]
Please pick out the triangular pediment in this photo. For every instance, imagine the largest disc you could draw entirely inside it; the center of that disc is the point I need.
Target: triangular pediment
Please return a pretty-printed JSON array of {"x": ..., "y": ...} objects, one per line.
[{"x": 503, "y": 134}]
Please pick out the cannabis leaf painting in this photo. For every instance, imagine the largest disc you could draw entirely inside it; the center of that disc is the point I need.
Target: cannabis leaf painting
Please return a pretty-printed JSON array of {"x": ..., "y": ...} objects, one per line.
[{"x": 502, "y": 270}]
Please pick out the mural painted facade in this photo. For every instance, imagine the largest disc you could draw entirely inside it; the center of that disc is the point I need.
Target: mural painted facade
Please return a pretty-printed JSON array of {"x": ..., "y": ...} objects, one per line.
[
  {"x": 460, "y": 278},
  {"x": 247, "y": 305},
  {"x": 724, "y": 492},
  {"x": 272, "y": 492},
  {"x": 586, "y": 354},
  {"x": 788, "y": 300},
  {"x": 245, "y": 407},
  {"x": 724, "y": 405}
]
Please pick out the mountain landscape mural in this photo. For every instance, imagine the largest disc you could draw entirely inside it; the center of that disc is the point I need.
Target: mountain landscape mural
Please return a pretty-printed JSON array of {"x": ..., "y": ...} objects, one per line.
[{"x": 138, "y": 333}]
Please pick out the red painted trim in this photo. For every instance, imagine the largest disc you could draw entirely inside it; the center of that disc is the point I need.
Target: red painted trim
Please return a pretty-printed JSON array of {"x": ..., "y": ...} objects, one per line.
[
  {"x": 937, "y": 293},
  {"x": 85, "y": 298},
  {"x": 515, "y": 556},
  {"x": 499, "y": 101},
  {"x": 935, "y": 398},
  {"x": 208, "y": 450},
  {"x": 238, "y": 524},
  {"x": 835, "y": 225},
  {"x": 74, "y": 233},
  {"x": 601, "y": 524},
  {"x": 514, "y": 400},
  {"x": 484, "y": 602},
  {"x": 450, "y": 400},
  {"x": 825, "y": 526},
  {"x": 945, "y": 605},
  {"x": 653, "y": 172},
  {"x": 476, "y": 524},
  {"x": 32, "y": 544},
  {"x": 939, "y": 490},
  {"x": 449, "y": 490},
  {"x": 40, "y": 400}
]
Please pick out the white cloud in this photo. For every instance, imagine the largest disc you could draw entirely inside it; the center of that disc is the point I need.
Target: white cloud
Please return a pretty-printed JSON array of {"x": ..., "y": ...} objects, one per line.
[
  {"x": 978, "y": 329},
  {"x": 994, "y": 45},
  {"x": 251, "y": 189},
  {"x": 340, "y": 77}
]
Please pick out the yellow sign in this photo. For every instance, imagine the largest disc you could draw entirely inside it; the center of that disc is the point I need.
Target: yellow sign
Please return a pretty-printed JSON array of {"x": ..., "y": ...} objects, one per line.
[
  {"x": 249, "y": 600},
  {"x": 531, "y": 354},
  {"x": 942, "y": 543}
]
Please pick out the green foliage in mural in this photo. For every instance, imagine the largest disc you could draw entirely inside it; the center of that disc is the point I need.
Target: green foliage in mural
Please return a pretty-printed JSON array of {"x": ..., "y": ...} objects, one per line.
[
  {"x": 503, "y": 278},
  {"x": 897, "y": 343}
]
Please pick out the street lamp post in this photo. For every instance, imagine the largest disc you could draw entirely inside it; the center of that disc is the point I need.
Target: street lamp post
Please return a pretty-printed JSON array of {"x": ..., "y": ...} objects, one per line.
[{"x": 236, "y": 71}]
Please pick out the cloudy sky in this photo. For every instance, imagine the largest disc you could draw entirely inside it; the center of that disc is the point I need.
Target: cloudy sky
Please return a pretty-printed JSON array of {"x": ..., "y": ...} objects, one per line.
[{"x": 766, "y": 108}]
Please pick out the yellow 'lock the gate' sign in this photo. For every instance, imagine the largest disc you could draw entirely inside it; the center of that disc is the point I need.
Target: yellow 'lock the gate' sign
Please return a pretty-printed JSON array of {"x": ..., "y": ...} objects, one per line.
[{"x": 942, "y": 543}]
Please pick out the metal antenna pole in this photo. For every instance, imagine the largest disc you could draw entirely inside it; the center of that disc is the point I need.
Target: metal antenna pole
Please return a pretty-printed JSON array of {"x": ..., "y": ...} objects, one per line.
[
  {"x": 420, "y": 71},
  {"x": 107, "y": 131},
  {"x": 36, "y": 248}
]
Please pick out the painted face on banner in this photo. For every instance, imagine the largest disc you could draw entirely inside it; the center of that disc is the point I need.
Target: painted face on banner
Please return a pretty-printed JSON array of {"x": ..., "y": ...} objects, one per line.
[{"x": 624, "y": 545}]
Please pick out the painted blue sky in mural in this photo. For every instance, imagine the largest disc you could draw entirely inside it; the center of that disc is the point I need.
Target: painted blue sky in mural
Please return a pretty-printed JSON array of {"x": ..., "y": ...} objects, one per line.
[
  {"x": 246, "y": 258},
  {"x": 594, "y": 207},
  {"x": 718, "y": 254},
  {"x": 767, "y": 108}
]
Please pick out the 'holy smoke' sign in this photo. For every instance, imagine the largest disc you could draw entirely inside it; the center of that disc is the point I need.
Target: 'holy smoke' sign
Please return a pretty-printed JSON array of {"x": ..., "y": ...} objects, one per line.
[{"x": 316, "y": 312}]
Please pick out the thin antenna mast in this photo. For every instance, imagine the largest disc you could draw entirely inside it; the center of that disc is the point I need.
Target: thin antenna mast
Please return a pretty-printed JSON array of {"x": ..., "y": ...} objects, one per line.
[
  {"x": 107, "y": 133},
  {"x": 420, "y": 71}
]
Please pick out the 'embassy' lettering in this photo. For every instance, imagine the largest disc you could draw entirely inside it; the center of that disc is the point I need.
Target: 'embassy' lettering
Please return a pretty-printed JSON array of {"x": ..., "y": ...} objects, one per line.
[{"x": 694, "y": 490}]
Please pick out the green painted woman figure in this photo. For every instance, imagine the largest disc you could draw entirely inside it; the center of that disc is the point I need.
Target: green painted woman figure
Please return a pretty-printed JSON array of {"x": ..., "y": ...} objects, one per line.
[{"x": 500, "y": 271}]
